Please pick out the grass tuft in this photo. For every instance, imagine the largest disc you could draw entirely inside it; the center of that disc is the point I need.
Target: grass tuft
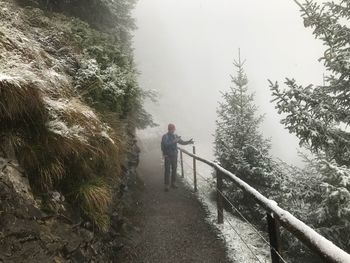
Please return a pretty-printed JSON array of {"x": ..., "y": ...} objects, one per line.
[
  {"x": 21, "y": 103},
  {"x": 51, "y": 174},
  {"x": 95, "y": 198}
]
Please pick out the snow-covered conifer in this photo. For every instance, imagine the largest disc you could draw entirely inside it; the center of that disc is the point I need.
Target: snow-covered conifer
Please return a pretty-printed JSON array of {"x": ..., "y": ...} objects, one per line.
[
  {"x": 319, "y": 114},
  {"x": 239, "y": 145}
]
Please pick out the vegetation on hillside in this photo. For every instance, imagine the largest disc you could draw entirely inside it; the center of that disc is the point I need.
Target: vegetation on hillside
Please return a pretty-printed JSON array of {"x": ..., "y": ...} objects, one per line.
[{"x": 69, "y": 99}]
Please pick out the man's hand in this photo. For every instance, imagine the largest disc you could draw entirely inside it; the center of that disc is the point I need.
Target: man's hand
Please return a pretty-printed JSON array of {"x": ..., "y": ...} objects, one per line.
[{"x": 191, "y": 141}]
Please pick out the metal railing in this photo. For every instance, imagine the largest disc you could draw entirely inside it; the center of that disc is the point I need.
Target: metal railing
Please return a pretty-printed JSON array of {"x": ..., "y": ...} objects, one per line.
[{"x": 276, "y": 216}]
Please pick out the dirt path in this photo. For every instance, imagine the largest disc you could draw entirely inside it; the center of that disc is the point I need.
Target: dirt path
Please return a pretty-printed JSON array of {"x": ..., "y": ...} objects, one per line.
[{"x": 173, "y": 226}]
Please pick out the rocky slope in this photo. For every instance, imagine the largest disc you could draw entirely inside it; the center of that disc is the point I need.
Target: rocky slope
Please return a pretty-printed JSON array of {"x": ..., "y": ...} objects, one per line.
[
  {"x": 29, "y": 234},
  {"x": 69, "y": 106}
]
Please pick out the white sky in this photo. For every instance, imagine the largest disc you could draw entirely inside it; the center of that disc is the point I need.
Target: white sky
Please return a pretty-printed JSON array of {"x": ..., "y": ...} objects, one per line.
[{"x": 185, "y": 48}]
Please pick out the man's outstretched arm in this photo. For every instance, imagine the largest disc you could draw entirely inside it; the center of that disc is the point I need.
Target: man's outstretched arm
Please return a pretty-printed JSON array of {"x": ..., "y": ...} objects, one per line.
[{"x": 186, "y": 142}]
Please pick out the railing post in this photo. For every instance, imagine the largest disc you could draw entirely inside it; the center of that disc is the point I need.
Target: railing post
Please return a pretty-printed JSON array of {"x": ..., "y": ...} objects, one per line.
[
  {"x": 219, "y": 197},
  {"x": 182, "y": 164},
  {"x": 194, "y": 170},
  {"x": 274, "y": 235}
]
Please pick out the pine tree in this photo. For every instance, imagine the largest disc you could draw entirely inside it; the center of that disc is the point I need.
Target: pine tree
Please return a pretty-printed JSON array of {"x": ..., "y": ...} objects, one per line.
[
  {"x": 239, "y": 146},
  {"x": 319, "y": 115}
]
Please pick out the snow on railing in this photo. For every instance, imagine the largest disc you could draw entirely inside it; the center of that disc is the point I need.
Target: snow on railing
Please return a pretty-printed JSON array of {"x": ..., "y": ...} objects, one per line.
[{"x": 275, "y": 214}]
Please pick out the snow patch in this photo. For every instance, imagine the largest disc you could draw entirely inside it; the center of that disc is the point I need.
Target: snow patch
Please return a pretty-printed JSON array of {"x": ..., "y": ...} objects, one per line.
[
  {"x": 9, "y": 79},
  {"x": 74, "y": 132},
  {"x": 104, "y": 134}
]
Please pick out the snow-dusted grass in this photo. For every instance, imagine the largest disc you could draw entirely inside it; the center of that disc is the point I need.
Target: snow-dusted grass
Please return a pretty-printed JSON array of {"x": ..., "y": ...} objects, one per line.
[
  {"x": 62, "y": 142},
  {"x": 237, "y": 249}
]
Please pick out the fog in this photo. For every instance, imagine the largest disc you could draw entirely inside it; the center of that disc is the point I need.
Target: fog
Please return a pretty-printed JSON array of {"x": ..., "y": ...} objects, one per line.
[{"x": 184, "y": 49}]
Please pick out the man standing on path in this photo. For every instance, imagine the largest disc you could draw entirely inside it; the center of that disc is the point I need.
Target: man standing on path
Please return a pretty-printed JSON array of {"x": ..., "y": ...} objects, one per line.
[{"x": 169, "y": 149}]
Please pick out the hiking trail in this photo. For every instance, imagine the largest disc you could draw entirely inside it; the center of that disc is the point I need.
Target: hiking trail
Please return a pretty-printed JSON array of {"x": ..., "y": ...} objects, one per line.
[{"x": 172, "y": 224}]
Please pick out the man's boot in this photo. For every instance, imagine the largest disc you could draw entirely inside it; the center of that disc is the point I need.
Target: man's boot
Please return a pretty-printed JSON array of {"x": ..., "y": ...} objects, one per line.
[
  {"x": 174, "y": 185},
  {"x": 166, "y": 188}
]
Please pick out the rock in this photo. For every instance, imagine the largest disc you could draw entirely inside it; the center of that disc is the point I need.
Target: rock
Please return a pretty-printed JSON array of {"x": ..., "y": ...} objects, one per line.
[
  {"x": 78, "y": 256},
  {"x": 11, "y": 175},
  {"x": 54, "y": 202}
]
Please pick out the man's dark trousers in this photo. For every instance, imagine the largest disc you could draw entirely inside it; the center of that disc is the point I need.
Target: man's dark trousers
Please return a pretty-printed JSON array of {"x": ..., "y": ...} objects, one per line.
[{"x": 170, "y": 161}]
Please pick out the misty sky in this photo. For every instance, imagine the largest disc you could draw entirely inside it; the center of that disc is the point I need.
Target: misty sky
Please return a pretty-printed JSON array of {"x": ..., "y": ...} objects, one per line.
[{"x": 184, "y": 49}]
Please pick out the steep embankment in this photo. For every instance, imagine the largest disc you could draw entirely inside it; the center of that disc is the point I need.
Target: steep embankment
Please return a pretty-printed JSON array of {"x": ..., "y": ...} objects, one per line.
[{"x": 69, "y": 105}]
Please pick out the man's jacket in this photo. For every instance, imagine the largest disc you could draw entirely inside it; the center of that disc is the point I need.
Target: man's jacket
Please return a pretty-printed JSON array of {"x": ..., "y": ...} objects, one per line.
[{"x": 169, "y": 147}]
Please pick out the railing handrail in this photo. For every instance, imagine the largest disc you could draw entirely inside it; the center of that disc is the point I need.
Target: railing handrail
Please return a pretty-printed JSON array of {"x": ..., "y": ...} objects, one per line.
[{"x": 313, "y": 240}]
